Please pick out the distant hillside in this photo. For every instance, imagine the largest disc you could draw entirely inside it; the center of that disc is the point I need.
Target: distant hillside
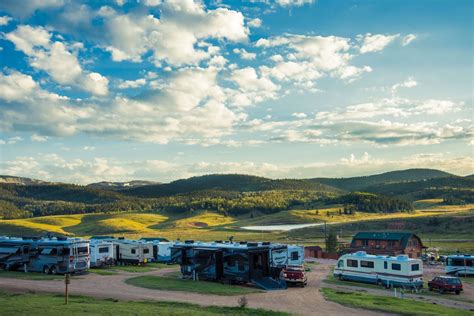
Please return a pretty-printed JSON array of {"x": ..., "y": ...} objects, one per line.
[
  {"x": 120, "y": 185},
  {"x": 360, "y": 183},
  {"x": 20, "y": 180},
  {"x": 226, "y": 182}
]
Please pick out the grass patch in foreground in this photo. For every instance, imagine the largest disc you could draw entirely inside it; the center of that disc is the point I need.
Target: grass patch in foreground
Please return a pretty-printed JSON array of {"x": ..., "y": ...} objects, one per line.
[
  {"x": 389, "y": 304},
  {"x": 50, "y": 304},
  {"x": 30, "y": 276},
  {"x": 103, "y": 272},
  {"x": 203, "y": 287}
]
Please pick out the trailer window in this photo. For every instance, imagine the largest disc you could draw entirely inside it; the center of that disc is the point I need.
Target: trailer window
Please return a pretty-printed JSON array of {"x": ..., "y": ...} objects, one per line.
[
  {"x": 146, "y": 250},
  {"x": 385, "y": 265},
  {"x": 295, "y": 255},
  {"x": 82, "y": 250},
  {"x": 103, "y": 249},
  {"x": 48, "y": 251},
  {"x": 340, "y": 264},
  {"x": 132, "y": 251},
  {"x": 352, "y": 263},
  {"x": 241, "y": 264},
  {"x": 415, "y": 267},
  {"x": 367, "y": 264},
  {"x": 396, "y": 266},
  {"x": 64, "y": 252}
]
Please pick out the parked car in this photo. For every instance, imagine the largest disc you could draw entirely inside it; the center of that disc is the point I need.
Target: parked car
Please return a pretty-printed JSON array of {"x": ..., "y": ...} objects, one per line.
[
  {"x": 445, "y": 284},
  {"x": 293, "y": 274}
]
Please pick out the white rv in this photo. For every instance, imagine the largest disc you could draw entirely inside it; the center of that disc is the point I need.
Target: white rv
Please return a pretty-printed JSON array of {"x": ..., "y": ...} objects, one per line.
[
  {"x": 295, "y": 255},
  {"x": 460, "y": 265},
  {"x": 161, "y": 249},
  {"x": 101, "y": 253},
  {"x": 127, "y": 251},
  {"x": 382, "y": 270}
]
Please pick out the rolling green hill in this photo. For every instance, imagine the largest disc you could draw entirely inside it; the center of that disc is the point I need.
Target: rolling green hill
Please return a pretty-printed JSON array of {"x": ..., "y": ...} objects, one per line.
[
  {"x": 360, "y": 183},
  {"x": 226, "y": 182}
]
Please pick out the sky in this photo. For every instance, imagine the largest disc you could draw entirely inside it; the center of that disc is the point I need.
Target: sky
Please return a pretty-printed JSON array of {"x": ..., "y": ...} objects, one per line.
[{"x": 161, "y": 90}]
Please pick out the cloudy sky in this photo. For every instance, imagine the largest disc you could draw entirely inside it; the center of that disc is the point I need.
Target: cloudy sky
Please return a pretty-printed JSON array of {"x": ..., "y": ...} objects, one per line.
[{"x": 128, "y": 89}]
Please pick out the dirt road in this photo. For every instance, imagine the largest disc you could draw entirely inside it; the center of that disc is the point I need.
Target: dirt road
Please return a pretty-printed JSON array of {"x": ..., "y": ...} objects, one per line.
[{"x": 300, "y": 301}]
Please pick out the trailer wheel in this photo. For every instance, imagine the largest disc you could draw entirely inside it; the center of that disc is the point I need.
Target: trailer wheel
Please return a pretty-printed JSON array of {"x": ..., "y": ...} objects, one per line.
[
  {"x": 53, "y": 270},
  {"x": 46, "y": 270},
  {"x": 457, "y": 292},
  {"x": 379, "y": 282}
]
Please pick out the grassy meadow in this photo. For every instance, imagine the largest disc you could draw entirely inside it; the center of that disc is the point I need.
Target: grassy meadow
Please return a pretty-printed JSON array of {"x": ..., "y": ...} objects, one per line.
[{"x": 448, "y": 227}]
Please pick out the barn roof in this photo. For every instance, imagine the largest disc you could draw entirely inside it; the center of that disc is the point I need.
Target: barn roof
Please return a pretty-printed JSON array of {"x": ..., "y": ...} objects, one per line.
[{"x": 403, "y": 237}]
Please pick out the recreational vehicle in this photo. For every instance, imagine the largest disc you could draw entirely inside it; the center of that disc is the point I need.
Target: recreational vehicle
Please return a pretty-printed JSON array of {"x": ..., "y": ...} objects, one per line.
[
  {"x": 161, "y": 249},
  {"x": 295, "y": 255},
  {"x": 101, "y": 253},
  {"x": 48, "y": 255},
  {"x": 127, "y": 251},
  {"x": 382, "y": 270},
  {"x": 226, "y": 261},
  {"x": 460, "y": 265}
]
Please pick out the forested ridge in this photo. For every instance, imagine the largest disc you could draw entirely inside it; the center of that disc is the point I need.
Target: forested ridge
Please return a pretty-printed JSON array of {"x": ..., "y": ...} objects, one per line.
[{"x": 232, "y": 194}]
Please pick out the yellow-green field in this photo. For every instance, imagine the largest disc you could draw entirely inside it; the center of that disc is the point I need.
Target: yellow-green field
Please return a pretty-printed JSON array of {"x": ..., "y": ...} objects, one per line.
[{"x": 205, "y": 225}]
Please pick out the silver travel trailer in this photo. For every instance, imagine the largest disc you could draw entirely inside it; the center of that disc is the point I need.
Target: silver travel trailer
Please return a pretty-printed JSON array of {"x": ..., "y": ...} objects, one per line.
[
  {"x": 127, "y": 251},
  {"x": 161, "y": 248},
  {"x": 56, "y": 255},
  {"x": 101, "y": 253}
]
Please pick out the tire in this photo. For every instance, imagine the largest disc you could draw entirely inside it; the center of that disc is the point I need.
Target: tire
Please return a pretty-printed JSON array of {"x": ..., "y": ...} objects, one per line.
[
  {"x": 46, "y": 270},
  {"x": 53, "y": 270},
  {"x": 441, "y": 291},
  {"x": 457, "y": 292}
]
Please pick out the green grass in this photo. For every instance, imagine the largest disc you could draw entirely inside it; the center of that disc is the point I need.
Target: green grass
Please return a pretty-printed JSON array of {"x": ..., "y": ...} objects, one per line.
[
  {"x": 103, "y": 272},
  {"x": 389, "y": 304},
  {"x": 174, "y": 284},
  {"x": 142, "y": 268},
  {"x": 49, "y": 304},
  {"x": 29, "y": 276}
]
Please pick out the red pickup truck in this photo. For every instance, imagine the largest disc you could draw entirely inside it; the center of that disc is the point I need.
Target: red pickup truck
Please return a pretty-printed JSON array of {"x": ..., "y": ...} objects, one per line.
[
  {"x": 445, "y": 284},
  {"x": 295, "y": 275}
]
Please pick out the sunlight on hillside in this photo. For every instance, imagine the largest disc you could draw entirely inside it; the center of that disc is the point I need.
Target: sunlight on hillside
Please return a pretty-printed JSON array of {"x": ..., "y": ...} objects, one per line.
[{"x": 206, "y": 219}]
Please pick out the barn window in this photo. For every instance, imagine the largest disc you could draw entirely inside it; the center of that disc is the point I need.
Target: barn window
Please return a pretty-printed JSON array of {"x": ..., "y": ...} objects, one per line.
[
  {"x": 367, "y": 264},
  {"x": 352, "y": 263},
  {"x": 396, "y": 266},
  {"x": 365, "y": 242}
]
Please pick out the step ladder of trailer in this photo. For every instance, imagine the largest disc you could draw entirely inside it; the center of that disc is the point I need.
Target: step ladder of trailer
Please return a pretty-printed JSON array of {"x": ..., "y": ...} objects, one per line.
[{"x": 269, "y": 284}]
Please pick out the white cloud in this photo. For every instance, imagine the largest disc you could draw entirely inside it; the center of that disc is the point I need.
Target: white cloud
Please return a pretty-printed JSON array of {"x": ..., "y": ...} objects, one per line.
[
  {"x": 255, "y": 23},
  {"x": 409, "y": 83},
  {"x": 253, "y": 88},
  {"x": 244, "y": 54},
  {"x": 38, "y": 138},
  {"x": 11, "y": 140},
  {"x": 408, "y": 39},
  {"x": 4, "y": 20},
  {"x": 309, "y": 58},
  {"x": 53, "y": 167},
  {"x": 56, "y": 59},
  {"x": 127, "y": 84},
  {"x": 88, "y": 148},
  {"x": 177, "y": 38},
  {"x": 295, "y": 3},
  {"x": 375, "y": 42},
  {"x": 299, "y": 115},
  {"x": 28, "y": 7}
]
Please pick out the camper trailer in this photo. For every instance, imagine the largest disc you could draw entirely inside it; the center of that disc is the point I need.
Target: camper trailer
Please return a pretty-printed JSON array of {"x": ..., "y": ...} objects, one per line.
[
  {"x": 227, "y": 261},
  {"x": 295, "y": 255},
  {"x": 48, "y": 255},
  {"x": 161, "y": 249},
  {"x": 382, "y": 270},
  {"x": 127, "y": 251},
  {"x": 101, "y": 253},
  {"x": 460, "y": 265}
]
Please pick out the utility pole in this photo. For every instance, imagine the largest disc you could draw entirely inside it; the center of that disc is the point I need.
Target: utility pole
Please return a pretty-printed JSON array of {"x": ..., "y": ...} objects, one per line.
[{"x": 325, "y": 236}]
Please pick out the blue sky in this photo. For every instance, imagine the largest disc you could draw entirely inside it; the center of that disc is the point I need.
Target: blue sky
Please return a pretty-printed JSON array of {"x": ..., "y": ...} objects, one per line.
[{"x": 159, "y": 90}]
